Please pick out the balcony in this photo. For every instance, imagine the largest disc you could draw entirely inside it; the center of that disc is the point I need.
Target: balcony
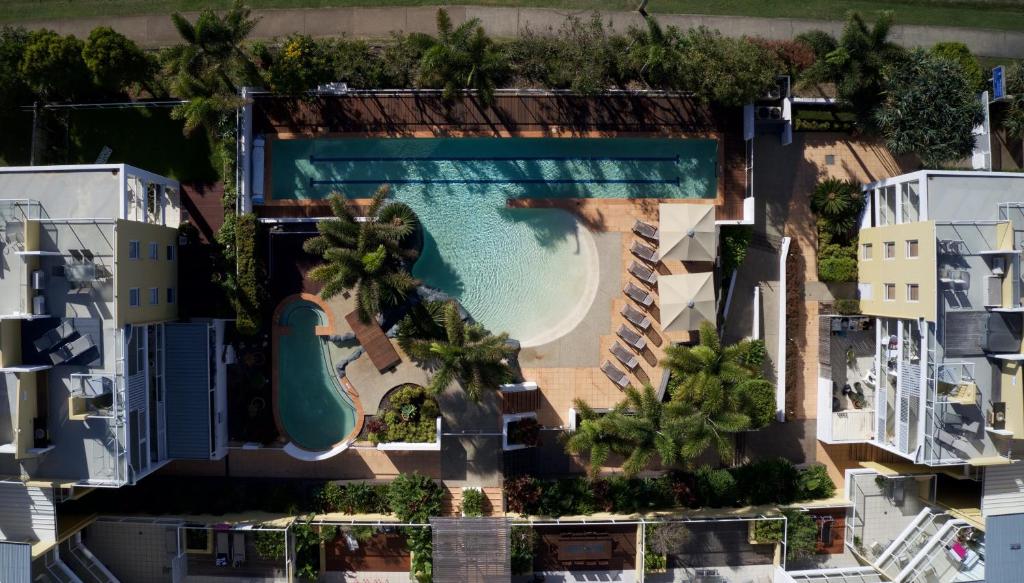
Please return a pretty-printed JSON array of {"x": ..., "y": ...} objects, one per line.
[{"x": 846, "y": 379}]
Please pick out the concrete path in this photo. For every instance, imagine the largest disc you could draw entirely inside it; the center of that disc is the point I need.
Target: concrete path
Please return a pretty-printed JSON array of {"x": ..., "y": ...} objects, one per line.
[{"x": 155, "y": 30}]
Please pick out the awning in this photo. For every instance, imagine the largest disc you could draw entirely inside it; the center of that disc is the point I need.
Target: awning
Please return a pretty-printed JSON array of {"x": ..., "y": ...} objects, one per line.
[
  {"x": 687, "y": 300},
  {"x": 687, "y": 232}
]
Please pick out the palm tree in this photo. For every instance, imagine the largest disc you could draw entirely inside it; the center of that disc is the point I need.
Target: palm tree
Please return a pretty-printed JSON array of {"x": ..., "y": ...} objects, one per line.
[
  {"x": 839, "y": 202},
  {"x": 654, "y": 55},
  {"x": 856, "y": 65},
  {"x": 461, "y": 58},
  {"x": 366, "y": 256},
  {"x": 639, "y": 428},
  {"x": 467, "y": 353},
  {"x": 212, "y": 61},
  {"x": 709, "y": 364}
]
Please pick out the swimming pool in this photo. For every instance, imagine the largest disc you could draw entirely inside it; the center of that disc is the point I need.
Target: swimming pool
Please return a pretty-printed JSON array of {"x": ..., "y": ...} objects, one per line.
[
  {"x": 314, "y": 409},
  {"x": 530, "y": 272}
]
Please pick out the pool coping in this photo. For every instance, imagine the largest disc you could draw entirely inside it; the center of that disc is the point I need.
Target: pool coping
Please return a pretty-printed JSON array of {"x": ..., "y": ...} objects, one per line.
[
  {"x": 718, "y": 137},
  {"x": 278, "y": 330}
]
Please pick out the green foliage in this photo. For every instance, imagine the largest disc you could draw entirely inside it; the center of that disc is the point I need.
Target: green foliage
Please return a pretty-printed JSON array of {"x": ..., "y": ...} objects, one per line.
[
  {"x": 421, "y": 545},
  {"x": 716, "y": 487},
  {"x": 353, "y": 498},
  {"x": 922, "y": 89},
  {"x": 847, "y": 307},
  {"x": 300, "y": 65},
  {"x": 801, "y": 535},
  {"x": 838, "y": 204},
  {"x": 666, "y": 538},
  {"x": 307, "y": 546},
  {"x": 654, "y": 562},
  {"x": 13, "y": 89},
  {"x": 959, "y": 53},
  {"x": 474, "y": 502},
  {"x": 524, "y": 542},
  {"x": 411, "y": 417},
  {"x": 837, "y": 263},
  {"x": 756, "y": 353},
  {"x": 115, "y": 61},
  {"x": 727, "y": 70},
  {"x": 768, "y": 481},
  {"x": 769, "y": 531},
  {"x": 270, "y": 545},
  {"x": 814, "y": 483},
  {"x": 821, "y": 43},
  {"x": 462, "y": 57},
  {"x": 414, "y": 498},
  {"x": 523, "y": 494},
  {"x": 52, "y": 65},
  {"x": 249, "y": 296},
  {"x": 735, "y": 241},
  {"x": 1013, "y": 122}
]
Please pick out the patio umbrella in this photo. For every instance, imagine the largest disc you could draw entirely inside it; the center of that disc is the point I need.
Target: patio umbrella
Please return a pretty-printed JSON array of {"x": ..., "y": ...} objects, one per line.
[
  {"x": 687, "y": 232},
  {"x": 687, "y": 300}
]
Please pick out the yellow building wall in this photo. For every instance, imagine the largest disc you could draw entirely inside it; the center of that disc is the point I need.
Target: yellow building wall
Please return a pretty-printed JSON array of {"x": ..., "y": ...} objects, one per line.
[
  {"x": 144, "y": 273},
  {"x": 900, "y": 270},
  {"x": 28, "y": 409},
  {"x": 1012, "y": 392},
  {"x": 10, "y": 342}
]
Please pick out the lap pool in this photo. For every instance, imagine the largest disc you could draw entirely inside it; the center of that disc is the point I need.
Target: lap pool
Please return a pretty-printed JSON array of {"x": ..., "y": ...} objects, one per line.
[
  {"x": 314, "y": 409},
  {"x": 530, "y": 272}
]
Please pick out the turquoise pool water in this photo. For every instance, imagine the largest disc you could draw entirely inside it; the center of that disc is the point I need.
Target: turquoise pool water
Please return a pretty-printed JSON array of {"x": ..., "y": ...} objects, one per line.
[
  {"x": 529, "y": 272},
  {"x": 314, "y": 408}
]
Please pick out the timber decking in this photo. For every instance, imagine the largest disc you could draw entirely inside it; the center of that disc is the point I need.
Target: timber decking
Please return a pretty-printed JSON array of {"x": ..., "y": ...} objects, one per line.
[{"x": 377, "y": 345}]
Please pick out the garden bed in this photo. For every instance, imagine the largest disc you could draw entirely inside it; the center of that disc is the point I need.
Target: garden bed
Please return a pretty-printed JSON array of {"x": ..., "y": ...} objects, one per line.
[
  {"x": 409, "y": 419},
  {"x": 519, "y": 431}
]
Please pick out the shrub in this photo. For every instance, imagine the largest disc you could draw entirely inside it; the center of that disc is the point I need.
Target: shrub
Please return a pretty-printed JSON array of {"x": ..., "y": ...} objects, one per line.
[
  {"x": 815, "y": 483},
  {"x": 570, "y": 496},
  {"x": 523, "y": 494},
  {"x": 716, "y": 487},
  {"x": 473, "y": 502},
  {"x": 735, "y": 241},
  {"x": 363, "y": 498},
  {"x": 421, "y": 545},
  {"x": 525, "y": 432},
  {"x": 249, "y": 295},
  {"x": 801, "y": 535},
  {"x": 768, "y": 531},
  {"x": 414, "y": 498},
  {"x": 767, "y": 481},
  {"x": 411, "y": 416},
  {"x": 959, "y": 53},
  {"x": 269, "y": 544},
  {"x": 727, "y": 71},
  {"x": 820, "y": 42},
  {"x": 837, "y": 265},
  {"x": 524, "y": 543},
  {"x": 300, "y": 65},
  {"x": 331, "y": 496},
  {"x": 755, "y": 355},
  {"x": 847, "y": 307},
  {"x": 654, "y": 562},
  {"x": 795, "y": 55},
  {"x": 684, "y": 488}
]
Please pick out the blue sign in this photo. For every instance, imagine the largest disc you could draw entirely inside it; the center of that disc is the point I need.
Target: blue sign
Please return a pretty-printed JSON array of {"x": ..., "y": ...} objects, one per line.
[{"x": 998, "y": 82}]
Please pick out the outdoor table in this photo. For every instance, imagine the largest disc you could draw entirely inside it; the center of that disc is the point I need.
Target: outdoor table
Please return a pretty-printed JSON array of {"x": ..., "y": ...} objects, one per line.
[{"x": 575, "y": 549}]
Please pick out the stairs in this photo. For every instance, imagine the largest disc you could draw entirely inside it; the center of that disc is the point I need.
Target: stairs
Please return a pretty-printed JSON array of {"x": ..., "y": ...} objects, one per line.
[
  {"x": 83, "y": 563},
  {"x": 453, "y": 501}
]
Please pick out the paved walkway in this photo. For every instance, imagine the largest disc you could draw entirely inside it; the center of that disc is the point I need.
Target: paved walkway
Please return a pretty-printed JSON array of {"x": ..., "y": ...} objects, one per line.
[{"x": 154, "y": 30}]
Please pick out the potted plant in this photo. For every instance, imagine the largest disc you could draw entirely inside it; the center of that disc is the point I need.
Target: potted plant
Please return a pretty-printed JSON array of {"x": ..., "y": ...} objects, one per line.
[
  {"x": 524, "y": 432},
  {"x": 473, "y": 502}
]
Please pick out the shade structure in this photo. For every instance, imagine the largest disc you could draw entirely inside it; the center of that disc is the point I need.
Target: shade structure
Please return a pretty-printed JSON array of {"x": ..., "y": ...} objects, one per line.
[
  {"x": 687, "y": 300},
  {"x": 687, "y": 232}
]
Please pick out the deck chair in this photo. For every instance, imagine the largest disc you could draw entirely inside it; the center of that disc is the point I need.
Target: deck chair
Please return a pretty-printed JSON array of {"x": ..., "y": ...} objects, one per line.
[
  {"x": 645, "y": 230},
  {"x": 54, "y": 336},
  {"x": 638, "y": 294},
  {"x": 237, "y": 549},
  {"x": 631, "y": 337},
  {"x": 645, "y": 252},
  {"x": 635, "y": 317},
  {"x": 643, "y": 273},
  {"x": 624, "y": 356},
  {"x": 221, "y": 549},
  {"x": 614, "y": 374}
]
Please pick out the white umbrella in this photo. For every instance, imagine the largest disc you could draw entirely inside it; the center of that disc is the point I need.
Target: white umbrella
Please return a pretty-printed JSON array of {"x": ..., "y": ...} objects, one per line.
[
  {"x": 687, "y": 300},
  {"x": 687, "y": 232}
]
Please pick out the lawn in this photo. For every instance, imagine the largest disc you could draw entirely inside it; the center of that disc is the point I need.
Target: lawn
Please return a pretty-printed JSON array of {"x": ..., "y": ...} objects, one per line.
[{"x": 997, "y": 14}]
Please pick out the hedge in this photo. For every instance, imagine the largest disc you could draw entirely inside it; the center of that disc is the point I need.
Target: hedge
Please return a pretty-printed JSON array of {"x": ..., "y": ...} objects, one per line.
[{"x": 248, "y": 301}]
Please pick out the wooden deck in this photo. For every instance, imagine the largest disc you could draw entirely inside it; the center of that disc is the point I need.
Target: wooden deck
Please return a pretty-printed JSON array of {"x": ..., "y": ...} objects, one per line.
[
  {"x": 536, "y": 115},
  {"x": 378, "y": 346},
  {"x": 384, "y": 552},
  {"x": 202, "y": 202},
  {"x": 623, "y": 546}
]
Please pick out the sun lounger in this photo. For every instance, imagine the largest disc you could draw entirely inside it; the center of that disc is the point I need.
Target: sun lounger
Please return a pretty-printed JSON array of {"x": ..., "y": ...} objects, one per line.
[
  {"x": 221, "y": 549},
  {"x": 72, "y": 349},
  {"x": 638, "y": 295},
  {"x": 625, "y": 357},
  {"x": 631, "y": 337},
  {"x": 54, "y": 336},
  {"x": 635, "y": 317},
  {"x": 645, "y": 252},
  {"x": 646, "y": 230},
  {"x": 615, "y": 374},
  {"x": 237, "y": 549},
  {"x": 643, "y": 273}
]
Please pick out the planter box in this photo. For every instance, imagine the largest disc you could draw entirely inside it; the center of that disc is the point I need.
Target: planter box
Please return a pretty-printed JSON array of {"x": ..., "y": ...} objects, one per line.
[
  {"x": 512, "y": 418},
  {"x": 464, "y": 490},
  {"x": 414, "y": 446}
]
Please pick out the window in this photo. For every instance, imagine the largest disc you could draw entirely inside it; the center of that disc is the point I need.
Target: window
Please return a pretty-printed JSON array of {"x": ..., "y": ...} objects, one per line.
[
  {"x": 890, "y": 249},
  {"x": 170, "y": 252},
  {"x": 865, "y": 251},
  {"x": 170, "y": 295},
  {"x": 154, "y": 296},
  {"x": 134, "y": 249},
  {"x": 134, "y": 297},
  {"x": 154, "y": 251},
  {"x": 890, "y": 292},
  {"x": 913, "y": 292},
  {"x": 912, "y": 249}
]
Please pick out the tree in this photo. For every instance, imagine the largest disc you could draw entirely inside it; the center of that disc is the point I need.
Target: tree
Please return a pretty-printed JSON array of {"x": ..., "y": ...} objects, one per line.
[
  {"x": 414, "y": 498},
  {"x": 856, "y": 65},
  {"x": 640, "y": 428},
  {"x": 839, "y": 204},
  {"x": 462, "y": 57},
  {"x": 468, "y": 353},
  {"x": 301, "y": 65},
  {"x": 13, "y": 89},
  {"x": 1013, "y": 122},
  {"x": 115, "y": 61},
  {"x": 724, "y": 70},
  {"x": 654, "y": 56},
  {"x": 212, "y": 62},
  {"x": 366, "y": 256},
  {"x": 52, "y": 65},
  {"x": 923, "y": 89},
  {"x": 959, "y": 53}
]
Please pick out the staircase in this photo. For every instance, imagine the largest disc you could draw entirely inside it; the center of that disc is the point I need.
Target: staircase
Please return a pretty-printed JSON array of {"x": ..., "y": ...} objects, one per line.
[
  {"x": 453, "y": 501},
  {"x": 83, "y": 563}
]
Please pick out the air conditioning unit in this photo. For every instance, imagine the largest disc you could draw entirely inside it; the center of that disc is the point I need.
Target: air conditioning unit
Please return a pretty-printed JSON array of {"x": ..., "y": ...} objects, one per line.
[
  {"x": 39, "y": 306},
  {"x": 779, "y": 91},
  {"x": 38, "y": 279},
  {"x": 768, "y": 113}
]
